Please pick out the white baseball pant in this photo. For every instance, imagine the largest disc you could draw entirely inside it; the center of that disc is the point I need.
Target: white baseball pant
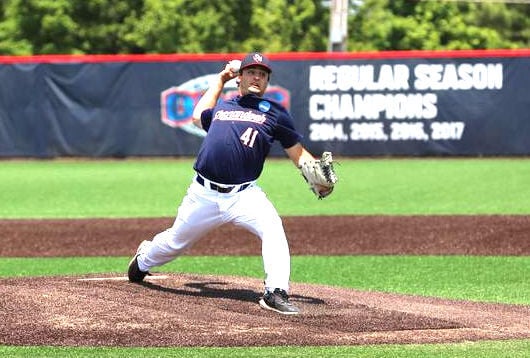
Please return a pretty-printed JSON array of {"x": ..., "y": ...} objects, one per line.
[{"x": 203, "y": 209}]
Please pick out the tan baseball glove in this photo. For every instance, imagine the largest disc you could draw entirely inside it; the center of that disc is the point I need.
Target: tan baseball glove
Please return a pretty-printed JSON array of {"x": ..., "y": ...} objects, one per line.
[{"x": 320, "y": 175}]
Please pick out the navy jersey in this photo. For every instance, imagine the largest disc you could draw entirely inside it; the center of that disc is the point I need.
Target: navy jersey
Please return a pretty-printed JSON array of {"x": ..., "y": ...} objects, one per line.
[{"x": 240, "y": 134}]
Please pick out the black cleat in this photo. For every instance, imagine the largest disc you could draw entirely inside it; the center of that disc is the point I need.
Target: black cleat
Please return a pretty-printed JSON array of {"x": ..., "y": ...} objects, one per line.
[
  {"x": 135, "y": 275},
  {"x": 278, "y": 301}
]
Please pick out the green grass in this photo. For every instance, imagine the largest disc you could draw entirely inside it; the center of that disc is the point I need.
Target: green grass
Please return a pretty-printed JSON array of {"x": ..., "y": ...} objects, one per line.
[
  {"x": 75, "y": 189},
  {"x": 151, "y": 188},
  {"x": 411, "y": 186},
  {"x": 508, "y": 349},
  {"x": 489, "y": 279}
]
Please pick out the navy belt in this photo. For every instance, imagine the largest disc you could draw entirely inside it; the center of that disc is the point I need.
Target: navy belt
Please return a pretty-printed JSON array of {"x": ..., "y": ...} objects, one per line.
[{"x": 221, "y": 189}]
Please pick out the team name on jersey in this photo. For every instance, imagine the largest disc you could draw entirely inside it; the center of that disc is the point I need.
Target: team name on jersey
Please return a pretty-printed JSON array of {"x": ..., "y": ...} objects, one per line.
[{"x": 243, "y": 116}]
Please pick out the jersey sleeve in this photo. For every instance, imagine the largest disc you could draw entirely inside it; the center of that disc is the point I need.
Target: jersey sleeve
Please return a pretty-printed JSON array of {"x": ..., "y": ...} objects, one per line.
[
  {"x": 286, "y": 134},
  {"x": 206, "y": 119}
]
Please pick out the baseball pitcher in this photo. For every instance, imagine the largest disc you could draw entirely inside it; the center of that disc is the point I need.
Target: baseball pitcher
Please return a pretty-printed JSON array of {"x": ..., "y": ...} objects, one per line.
[{"x": 240, "y": 132}]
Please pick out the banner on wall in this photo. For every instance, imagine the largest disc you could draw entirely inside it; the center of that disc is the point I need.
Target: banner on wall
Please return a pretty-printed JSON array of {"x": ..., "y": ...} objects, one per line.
[{"x": 355, "y": 104}]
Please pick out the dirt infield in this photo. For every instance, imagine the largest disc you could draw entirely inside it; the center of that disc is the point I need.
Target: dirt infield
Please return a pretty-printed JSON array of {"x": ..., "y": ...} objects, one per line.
[
  {"x": 325, "y": 235},
  {"x": 199, "y": 310}
]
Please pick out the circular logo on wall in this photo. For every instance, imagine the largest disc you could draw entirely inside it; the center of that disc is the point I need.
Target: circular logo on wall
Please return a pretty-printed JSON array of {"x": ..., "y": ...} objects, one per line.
[{"x": 177, "y": 103}]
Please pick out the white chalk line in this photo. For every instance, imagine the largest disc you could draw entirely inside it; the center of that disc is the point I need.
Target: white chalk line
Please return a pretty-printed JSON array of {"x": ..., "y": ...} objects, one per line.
[{"x": 122, "y": 278}]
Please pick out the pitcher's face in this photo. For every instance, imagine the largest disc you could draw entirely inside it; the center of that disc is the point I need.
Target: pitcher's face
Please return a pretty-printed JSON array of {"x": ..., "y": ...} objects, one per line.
[{"x": 253, "y": 80}]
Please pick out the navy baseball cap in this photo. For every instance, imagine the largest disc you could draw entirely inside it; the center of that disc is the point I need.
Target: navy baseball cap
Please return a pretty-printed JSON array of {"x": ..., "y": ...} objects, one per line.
[{"x": 256, "y": 59}]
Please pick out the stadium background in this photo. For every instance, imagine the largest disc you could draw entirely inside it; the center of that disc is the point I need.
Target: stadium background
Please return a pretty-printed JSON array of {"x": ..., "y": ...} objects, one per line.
[{"x": 409, "y": 103}]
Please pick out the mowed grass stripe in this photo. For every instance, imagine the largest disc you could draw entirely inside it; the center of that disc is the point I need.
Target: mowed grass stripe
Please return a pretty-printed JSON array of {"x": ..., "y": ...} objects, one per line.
[{"x": 154, "y": 188}]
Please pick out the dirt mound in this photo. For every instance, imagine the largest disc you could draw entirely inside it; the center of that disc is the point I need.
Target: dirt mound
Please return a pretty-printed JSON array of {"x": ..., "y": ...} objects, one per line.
[{"x": 192, "y": 310}]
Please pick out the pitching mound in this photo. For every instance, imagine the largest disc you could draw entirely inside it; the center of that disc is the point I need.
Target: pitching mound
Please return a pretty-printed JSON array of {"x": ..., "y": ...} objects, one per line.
[{"x": 193, "y": 310}]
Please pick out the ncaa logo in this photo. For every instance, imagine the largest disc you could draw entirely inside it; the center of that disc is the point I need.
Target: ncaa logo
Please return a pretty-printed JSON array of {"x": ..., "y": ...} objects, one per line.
[{"x": 264, "y": 106}]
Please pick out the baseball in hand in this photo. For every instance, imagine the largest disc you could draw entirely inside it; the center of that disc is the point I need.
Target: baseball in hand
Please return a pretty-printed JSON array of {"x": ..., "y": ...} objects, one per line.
[{"x": 235, "y": 65}]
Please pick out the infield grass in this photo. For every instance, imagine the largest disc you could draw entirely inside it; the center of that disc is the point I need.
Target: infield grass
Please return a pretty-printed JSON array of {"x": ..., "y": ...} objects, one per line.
[
  {"x": 152, "y": 188},
  {"x": 488, "y": 279},
  {"x": 503, "y": 349}
]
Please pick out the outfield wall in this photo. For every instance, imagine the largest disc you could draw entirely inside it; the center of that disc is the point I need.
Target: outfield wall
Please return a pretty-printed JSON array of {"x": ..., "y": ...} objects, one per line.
[{"x": 413, "y": 103}]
